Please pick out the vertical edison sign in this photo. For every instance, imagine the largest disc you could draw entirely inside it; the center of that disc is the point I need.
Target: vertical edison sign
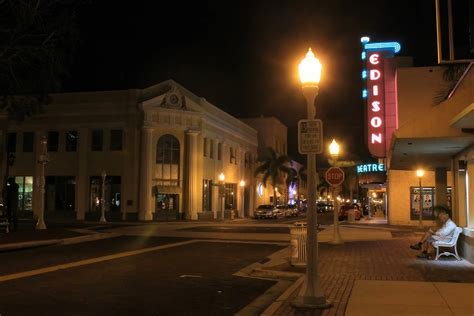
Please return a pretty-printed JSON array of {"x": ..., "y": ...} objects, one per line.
[{"x": 374, "y": 55}]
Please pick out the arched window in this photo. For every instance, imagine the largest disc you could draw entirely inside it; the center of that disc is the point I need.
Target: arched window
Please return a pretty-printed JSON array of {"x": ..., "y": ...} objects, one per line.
[{"x": 167, "y": 160}]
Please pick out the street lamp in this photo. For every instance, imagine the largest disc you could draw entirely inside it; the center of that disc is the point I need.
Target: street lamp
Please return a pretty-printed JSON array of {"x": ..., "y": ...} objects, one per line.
[
  {"x": 420, "y": 173},
  {"x": 102, "y": 204},
  {"x": 242, "y": 187},
  {"x": 337, "y": 240},
  {"x": 312, "y": 296},
  {"x": 222, "y": 193},
  {"x": 43, "y": 161}
]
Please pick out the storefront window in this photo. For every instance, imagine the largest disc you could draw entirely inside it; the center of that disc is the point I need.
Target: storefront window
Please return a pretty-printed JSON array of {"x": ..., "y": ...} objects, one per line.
[
  {"x": 206, "y": 195},
  {"x": 428, "y": 202},
  {"x": 230, "y": 196},
  {"x": 25, "y": 193}
]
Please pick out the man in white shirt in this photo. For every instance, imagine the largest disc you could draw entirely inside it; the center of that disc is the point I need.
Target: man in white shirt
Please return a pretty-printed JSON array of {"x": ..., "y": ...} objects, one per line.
[{"x": 442, "y": 234}]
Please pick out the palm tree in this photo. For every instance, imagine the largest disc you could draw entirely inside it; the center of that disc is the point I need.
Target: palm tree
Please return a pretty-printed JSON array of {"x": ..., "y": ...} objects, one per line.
[{"x": 272, "y": 166}]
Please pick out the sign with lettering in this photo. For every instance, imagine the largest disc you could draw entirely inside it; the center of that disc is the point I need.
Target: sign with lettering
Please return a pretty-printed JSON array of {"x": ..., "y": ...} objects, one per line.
[
  {"x": 334, "y": 176},
  {"x": 310, "y": 136},
  {"x": 370, "y": 167},
  {"x": 379, "y": 103}
]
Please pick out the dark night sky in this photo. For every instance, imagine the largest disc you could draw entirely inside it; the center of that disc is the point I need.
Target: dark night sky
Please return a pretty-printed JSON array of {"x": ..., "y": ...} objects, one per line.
[{"x": 242, "y": 55}]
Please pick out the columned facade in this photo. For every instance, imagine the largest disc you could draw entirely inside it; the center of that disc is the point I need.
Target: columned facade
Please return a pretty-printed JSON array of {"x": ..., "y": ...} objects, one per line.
[
  {"x": 192, "y": 175},
  {"x": 162, "y": 149},
  {"x": 145, "y": 211}
]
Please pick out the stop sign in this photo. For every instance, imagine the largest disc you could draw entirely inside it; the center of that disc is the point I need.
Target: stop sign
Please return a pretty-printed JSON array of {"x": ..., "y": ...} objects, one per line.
[{"x": 334, "y": 176}]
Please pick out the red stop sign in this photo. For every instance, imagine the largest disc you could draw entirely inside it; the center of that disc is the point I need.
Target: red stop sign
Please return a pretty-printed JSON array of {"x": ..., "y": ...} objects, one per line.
[{"x": 334, "y": 176}]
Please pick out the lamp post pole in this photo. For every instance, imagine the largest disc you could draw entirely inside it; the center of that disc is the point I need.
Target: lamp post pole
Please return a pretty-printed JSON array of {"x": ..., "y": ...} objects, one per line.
[
  {"x": 419, "y": 174},
  {"x": 312, "y": 295},
  {"x": 337, "y": 240},
  {"x": 242, "y": 187},
  {"x": 43, "y": 160},
  {"x": 222, "y": 194},
  {"x": 10, "y": 162},
  {"x": 102, "y": 196}
]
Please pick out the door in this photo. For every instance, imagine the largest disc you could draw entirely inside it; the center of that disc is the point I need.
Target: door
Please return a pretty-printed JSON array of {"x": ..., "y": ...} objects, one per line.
[{"x": 167, "y": 207}]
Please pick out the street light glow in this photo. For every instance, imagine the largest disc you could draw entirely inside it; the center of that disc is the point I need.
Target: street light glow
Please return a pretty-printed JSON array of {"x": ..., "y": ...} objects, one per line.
[
  {"x": 420, "y": 173},
  {"x": 242, "y": 183},
  {"x": 334, "y": 148},
  {"x": 221, "y": 177},
  {"x": 310, "y": 70}
]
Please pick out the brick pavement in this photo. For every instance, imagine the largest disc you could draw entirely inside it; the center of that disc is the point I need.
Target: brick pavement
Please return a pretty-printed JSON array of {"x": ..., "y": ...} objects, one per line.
[{"x": 340, "y": 266}]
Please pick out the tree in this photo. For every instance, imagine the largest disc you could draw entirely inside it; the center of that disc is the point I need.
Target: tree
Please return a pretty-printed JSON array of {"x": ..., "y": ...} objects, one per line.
[
  {"x": 37, "y": 39},
  {"x": 273, "y": 167}
]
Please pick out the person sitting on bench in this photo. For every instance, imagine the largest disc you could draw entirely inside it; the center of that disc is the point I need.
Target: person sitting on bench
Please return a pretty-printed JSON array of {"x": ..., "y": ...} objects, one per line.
[{"x": 442, "y": 234}]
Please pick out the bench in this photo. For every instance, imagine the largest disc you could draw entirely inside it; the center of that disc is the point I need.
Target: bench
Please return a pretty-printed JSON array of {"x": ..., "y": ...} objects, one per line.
[{"x": 448, "y": 244}]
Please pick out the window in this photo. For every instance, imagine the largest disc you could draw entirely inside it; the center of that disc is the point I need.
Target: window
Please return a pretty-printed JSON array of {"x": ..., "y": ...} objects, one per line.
[
  {"x": 28, "y": 142},
  {"x": 428, "y": 202},
  {"x": 71, "y": 141},
  {"x": 25, "y": 193},
  {"x": 219, "y": 151},
  {"x": 167, "y": 160},
  {"x": 97, "y": 140},
  {"x": 207, "y": 195},
  {"x": 53, "y": 141},
  {"x": 11, "y": 142},
  {"x": 230, "y": 196},
  {"x": 116, "y": 139},
  {"x": 211, "y": 152},
  {"x": 231, "y": 155},
  {"x": 204, "y": 147}
]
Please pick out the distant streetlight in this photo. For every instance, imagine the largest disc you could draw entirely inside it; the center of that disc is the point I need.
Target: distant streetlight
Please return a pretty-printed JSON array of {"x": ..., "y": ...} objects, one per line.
[
  {"x": 222, "y": 193},
  {"x": 312, "y": 295},
  {"x": 337, "y": 240},
  {"x": 102, "y": 204},
  {"x": 242, "y": 187},
  {"x": 420, "y": 173},
  {"x": 43, "y": 161}
]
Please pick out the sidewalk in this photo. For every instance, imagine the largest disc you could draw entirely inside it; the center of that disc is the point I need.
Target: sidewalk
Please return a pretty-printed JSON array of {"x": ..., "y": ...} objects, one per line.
[{"x": 348, "y": 272}]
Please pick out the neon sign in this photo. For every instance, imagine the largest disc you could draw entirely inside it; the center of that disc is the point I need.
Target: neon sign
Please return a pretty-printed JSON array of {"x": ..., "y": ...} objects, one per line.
[
  {"x": 374, "y": 55},
  {"x": 370, "y": 167}
]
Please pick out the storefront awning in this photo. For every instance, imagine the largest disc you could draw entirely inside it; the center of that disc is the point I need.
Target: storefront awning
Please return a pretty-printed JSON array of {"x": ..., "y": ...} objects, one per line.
[
  {"x": 428, "y": 153},
  {"x": 465, "y": 119}
]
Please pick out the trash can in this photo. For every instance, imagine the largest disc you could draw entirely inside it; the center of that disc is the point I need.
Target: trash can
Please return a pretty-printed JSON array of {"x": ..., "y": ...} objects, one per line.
[
  {"x": 351, "y": 216},
  {"x": 298, "y": 244}
]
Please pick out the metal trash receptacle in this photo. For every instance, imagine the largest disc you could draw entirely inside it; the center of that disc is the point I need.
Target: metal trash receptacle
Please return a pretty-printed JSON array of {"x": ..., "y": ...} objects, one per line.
[
  {"x": 298, "y": 235},
  {"x": 351, "y": 216}
]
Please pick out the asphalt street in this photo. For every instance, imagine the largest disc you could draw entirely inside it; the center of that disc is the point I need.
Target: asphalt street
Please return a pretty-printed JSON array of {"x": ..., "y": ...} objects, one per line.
[{"x": 132, "y": 276}]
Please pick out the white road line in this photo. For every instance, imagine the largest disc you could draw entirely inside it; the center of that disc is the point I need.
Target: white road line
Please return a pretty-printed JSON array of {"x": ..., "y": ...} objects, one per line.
[{"x": 70, "y": 265}]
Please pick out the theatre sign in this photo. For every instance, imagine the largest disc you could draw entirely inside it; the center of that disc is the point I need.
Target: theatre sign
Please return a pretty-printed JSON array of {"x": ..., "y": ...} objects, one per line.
[{"x": 380, "y": 92}]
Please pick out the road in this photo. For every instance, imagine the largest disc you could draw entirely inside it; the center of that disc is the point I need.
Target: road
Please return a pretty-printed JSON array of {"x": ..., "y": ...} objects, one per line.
[{"x": 140, "y": 273}]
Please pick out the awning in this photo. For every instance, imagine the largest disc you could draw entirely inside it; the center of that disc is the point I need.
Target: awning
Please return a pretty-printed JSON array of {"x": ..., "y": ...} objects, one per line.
[
  {"x": 427, "y": 153},
  {"x": 465, "y": 119}
]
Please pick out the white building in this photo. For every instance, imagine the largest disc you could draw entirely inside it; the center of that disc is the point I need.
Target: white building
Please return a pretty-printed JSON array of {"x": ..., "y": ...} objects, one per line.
[{"x": 162, "y": 149}]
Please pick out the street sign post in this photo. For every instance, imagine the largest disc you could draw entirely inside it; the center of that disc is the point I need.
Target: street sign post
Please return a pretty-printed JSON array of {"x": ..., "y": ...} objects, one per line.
[
  {"x": 310, "y": 137},
  {"x": 334, "y": 176}
]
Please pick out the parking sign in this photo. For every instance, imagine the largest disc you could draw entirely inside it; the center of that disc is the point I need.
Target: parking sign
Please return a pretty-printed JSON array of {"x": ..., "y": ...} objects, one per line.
[{"x": 310, "y": 136}]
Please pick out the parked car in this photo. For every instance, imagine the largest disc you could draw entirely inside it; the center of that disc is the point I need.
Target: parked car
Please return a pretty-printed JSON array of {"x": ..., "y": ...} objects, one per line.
[
  {"x": 288, "y": 210},
  {"x": 349, "y": 207},
  {"x": 263, "y": 210}
]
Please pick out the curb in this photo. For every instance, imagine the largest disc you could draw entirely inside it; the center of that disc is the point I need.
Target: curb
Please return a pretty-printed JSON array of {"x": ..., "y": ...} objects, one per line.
[
  {"x": 273, "y": 308},
  {"x": 30, "y": 244},
  {"x": 50, "y": 242}
]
